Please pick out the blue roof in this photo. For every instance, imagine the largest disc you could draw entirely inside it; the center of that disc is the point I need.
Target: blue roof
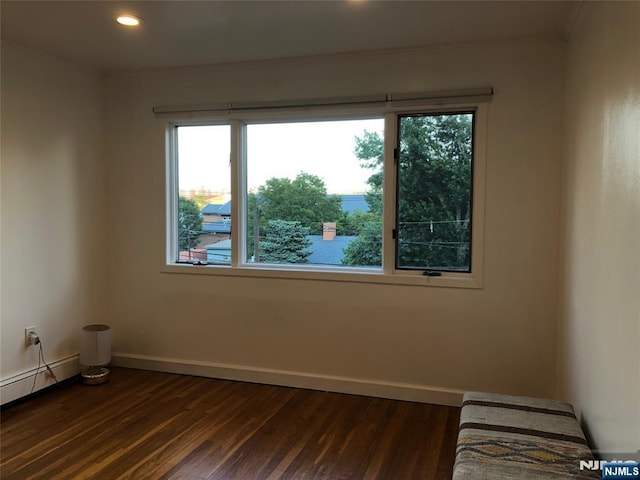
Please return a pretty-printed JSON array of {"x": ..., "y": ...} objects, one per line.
[
  {"x": 223, "y": 245},
  {"x": 223, "y": 210},
  {"x": 350, "y": 203},
  {"x": 328, "y": 252},
  {"x": 219, "y": 252},
  {"x": 223, "y": 226},
  {"x": 323, "y": 252}
]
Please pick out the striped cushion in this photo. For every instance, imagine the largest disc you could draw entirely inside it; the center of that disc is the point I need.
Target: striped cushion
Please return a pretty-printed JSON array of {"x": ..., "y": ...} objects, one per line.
[{"x": 507, "y": 437}]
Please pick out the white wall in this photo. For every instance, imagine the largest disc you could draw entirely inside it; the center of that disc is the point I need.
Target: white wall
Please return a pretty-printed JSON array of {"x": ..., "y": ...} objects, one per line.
[
  {"x": 501, "y": 338},
  {"x": 600, "y": 325},
  {"x": 53, "y": 202},
  {"x": 60, "y": 272}
]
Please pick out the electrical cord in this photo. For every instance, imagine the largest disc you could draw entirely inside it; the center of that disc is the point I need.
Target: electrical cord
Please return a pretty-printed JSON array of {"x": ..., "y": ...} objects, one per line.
[
  {"x": 41, "y": 360},
  {"x": 35, "y": 377},
  {"x": 53, "y": 375}
]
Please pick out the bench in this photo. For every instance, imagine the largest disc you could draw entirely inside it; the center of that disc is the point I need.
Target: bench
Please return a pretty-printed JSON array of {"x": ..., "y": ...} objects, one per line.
[{"x": 506, "y": 437}]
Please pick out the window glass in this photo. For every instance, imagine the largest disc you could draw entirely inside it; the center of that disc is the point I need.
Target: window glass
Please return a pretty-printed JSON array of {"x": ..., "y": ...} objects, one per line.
[
  {"x": 433, "y": 218},
  {"x": 315, "y": 193},
  {"x": 204, "y": 194}
]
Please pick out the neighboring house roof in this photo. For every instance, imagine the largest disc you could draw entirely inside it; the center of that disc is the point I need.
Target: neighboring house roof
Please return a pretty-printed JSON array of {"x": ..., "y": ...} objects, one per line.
[
  {"x": 223, "y": 245},
  {"x": 222, "y": 210},
  {"x": 219, "y": 252},
  {"x": 223, "y": 226},
  {"x": 350, "y": 203},
  {"x": 323, "y": 252},
  {"x": 328, "y": 252}
]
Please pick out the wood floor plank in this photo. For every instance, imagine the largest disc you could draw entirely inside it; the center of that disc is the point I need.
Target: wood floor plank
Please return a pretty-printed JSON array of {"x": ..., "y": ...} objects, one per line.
[{"x": 158, "y": 426}]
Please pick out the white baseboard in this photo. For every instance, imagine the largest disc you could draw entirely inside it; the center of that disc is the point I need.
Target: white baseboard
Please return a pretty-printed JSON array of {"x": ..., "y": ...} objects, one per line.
[
  {"x": 21, "y": 385},
  {"x": 329, "y": 383}
]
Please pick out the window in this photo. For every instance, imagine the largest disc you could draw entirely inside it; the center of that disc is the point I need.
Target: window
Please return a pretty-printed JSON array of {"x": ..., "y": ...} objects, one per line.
[
  {"x": 434, "y": 207},
  {"x": 313, "y": 191},
  {"x": 204, "y": 194},
  {"x": 389, "y": 195}
]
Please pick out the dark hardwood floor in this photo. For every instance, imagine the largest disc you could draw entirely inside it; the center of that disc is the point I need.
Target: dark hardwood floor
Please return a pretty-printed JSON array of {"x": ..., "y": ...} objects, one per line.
[{"x": 149, "y": 425}]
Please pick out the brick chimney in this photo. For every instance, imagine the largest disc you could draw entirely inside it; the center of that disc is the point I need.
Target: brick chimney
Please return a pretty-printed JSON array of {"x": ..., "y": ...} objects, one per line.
[{"x": 328, "y": 231}]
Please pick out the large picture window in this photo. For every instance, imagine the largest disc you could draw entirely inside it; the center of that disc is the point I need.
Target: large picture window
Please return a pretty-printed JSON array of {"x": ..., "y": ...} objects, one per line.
[
  {"x": 312, "y": 196},
  {"x": 393, "y": 197}
]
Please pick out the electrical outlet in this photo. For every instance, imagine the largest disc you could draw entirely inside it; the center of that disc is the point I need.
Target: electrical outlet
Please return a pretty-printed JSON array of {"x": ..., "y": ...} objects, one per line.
[{"x": 27, "y": 339}]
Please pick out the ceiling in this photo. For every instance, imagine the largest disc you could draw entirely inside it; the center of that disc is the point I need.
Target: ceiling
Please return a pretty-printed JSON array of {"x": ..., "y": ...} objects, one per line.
[{"x": 178, "y": 33}]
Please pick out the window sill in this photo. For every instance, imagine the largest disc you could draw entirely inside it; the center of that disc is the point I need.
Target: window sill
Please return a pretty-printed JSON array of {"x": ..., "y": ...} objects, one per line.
[{"x": 447, "y": 280}]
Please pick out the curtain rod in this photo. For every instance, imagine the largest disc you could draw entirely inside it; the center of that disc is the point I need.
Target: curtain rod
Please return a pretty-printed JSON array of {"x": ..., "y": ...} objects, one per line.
[{"x": 393, "y": 99}]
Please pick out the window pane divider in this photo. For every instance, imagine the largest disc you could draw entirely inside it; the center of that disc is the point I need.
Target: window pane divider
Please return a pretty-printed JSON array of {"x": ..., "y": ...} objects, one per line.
[
  {"x": 172, "y": 189},
  {"x": 238, "y": 163},
  {"x": 389, "y": 188}
]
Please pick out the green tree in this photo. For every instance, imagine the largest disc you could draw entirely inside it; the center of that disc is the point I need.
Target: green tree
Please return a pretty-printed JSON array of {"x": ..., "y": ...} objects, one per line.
[
  {"x": 370, "y": 151},
  {"x": 354, "y": 224},
  {"x": 434, "y": 197},
  {"x": 367, "y": 248},
  {"x": 189, "y": 223},
  {"x": 303, "y": 200},
  {"x": 253, "y": 228},
  {"x": 286, "y": 242}
]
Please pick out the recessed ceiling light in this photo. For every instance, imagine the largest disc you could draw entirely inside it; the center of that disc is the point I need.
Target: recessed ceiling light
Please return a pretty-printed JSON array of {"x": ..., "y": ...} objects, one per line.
[{"x": 128, "y": 20}]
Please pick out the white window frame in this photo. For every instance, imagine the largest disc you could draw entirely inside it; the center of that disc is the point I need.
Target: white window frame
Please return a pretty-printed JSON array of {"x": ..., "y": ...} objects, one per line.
[{"x": 387, "y": 274}]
